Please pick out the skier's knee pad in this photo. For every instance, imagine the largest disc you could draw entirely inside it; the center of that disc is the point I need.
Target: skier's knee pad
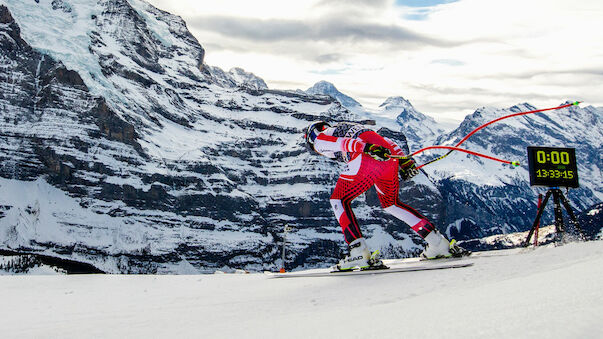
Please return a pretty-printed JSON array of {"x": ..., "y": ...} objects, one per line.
[
  {"x": 403, "y": 214},
  {"x": 337, "y": 206}
]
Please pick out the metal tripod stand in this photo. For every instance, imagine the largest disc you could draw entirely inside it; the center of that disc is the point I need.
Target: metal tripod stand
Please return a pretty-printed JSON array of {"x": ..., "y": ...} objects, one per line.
[{"x": 558, "y": 199}]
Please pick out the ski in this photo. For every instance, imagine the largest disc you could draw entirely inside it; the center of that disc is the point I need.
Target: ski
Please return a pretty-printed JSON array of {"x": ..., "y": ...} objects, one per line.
[{"x": 409, "y": 268}]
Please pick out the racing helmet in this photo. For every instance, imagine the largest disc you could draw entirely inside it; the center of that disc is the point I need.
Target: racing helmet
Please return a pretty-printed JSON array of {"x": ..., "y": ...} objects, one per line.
[{"x": 313, "y": 130}]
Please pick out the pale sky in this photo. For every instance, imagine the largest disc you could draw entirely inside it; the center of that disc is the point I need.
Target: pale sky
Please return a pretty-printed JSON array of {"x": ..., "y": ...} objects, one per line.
[{"x": 447, "y": 57}]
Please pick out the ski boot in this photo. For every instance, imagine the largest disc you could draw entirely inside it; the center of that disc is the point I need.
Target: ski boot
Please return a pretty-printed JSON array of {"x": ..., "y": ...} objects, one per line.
[
  {"x": 359, "y": 257},
  {"x": 439, "y": 247},
  {"x": 375, "y": 263},
  {"x": 457, "y": 251}
]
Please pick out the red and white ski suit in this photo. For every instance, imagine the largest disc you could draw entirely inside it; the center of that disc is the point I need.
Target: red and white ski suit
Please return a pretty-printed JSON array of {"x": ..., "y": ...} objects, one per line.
[{"x": 363, "y": 172}]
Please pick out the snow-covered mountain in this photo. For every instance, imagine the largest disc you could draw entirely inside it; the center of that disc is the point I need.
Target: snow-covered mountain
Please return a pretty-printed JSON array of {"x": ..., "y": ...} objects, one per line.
[
  {"x": 419, "y": 129},
  {"x": 327, "y": 88},
  {"x": 122, "y": 149},
  {"x": 236, "y": 77},
  {"x": 481, "y": 192}
]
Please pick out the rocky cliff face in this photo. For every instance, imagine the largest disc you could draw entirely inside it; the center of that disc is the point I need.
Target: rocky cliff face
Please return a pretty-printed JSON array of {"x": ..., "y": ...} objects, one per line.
[
  {"x": 122, "y": 149},
  {"x": 152, "y": 161}
]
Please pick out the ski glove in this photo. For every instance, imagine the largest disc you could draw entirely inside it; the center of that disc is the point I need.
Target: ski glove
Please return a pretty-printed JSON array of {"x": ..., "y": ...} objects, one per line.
[
  {"x": 407, "y": 168},
  {"x": 377, "y": 152}
]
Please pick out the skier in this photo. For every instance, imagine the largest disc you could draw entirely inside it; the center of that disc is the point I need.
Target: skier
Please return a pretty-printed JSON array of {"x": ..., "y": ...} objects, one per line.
[{"x": 367, "y": 155}]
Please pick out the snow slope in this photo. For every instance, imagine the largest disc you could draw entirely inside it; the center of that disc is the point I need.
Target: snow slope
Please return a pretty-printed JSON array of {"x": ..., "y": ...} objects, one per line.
[{"x": 550, "y": 292}]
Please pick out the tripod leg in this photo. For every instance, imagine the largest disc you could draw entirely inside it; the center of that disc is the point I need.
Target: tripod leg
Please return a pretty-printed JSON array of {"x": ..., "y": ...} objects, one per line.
[
  {"x": 538, "y": 216},
  {"x": 559, "y": 226},
  {"x": 568, "y": 208}
]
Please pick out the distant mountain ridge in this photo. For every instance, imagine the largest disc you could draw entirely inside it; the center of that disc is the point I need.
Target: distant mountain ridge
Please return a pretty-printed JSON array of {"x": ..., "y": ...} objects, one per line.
[{"x": 418, "y": 127}]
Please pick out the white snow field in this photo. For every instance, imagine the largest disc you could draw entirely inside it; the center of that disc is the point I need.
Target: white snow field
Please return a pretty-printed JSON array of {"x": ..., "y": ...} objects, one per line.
[{"x": 549, "y": 292}]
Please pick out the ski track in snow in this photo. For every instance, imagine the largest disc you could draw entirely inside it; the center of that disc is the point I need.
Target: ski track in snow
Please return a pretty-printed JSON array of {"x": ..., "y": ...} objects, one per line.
[{"x": 551, "y": 292}]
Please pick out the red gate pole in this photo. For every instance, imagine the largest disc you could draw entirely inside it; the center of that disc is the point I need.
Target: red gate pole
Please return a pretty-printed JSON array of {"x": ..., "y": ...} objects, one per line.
[{"x": 538, "y": 224}]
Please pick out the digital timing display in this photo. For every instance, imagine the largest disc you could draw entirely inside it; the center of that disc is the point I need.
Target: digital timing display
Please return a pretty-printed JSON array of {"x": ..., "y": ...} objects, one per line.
[{"x": 553, "y": 167}]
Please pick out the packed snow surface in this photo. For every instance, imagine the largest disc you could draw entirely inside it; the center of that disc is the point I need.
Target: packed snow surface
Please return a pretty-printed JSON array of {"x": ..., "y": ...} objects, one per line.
[{"x": 550, "y": 292}]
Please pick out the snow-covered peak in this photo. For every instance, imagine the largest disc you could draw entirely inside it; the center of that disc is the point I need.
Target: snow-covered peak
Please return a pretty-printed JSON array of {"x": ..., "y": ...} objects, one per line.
[
  {"x": 419, "y": 128},
  {"x": 396, "y": 102},
  {"x": 327, "y": 88},
  {"x": 236, "y": 77},
  {"x": 247, "y": 79}
]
